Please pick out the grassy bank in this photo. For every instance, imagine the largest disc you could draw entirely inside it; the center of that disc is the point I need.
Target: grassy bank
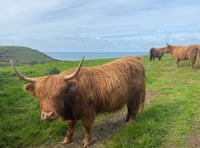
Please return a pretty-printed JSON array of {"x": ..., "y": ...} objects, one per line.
[
  {"x": 22, "y": 55},
  {"x": 171, "y": 112}
]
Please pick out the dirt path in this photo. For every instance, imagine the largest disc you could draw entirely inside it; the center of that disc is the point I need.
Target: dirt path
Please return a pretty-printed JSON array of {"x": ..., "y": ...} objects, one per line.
[
  {"x": 101, "y": 132},
  {"x": 194, "y": 139}
]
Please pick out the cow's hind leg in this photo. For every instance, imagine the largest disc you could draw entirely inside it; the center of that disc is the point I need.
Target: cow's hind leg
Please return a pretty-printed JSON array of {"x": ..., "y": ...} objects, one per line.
[
  {"x": 133, "y": 107},
  {"x": 128, "y": 113},
  {"x": 194, "y": 57},
  {"x": 150, "y": 58},
  {"x": 192, "y": 61},
  {"x": 69, "y": 135}
]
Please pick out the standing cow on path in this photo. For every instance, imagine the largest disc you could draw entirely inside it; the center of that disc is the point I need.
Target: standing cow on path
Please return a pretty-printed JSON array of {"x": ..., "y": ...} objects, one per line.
[
  {"x": 179, "y": 53},
  {"x": 84, "y": 92},
  {"x": 156, "y": 53}
]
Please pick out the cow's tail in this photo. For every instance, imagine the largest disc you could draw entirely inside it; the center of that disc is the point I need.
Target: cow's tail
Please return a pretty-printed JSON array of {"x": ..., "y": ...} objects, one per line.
[
  {"x": 142, "y": 102},
  {"x": 151, "y": 55},
  {"x": 197, "y": 56},
  {"x": 142, "y": 96}
]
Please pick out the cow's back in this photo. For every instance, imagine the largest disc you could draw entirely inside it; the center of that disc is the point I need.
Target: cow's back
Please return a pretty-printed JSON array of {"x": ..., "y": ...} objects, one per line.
[
  {"x": 179, "y": 52},
  {"x": 111, "y": 85},
  {"x": 157, "y": 52},
  {"x": 195, "y": 46},
  {"x": 183, "y": 52}
]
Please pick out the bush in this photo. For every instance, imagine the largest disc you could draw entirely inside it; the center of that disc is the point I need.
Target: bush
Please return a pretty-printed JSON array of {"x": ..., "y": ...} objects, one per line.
[{"x": 53, "y": 70}]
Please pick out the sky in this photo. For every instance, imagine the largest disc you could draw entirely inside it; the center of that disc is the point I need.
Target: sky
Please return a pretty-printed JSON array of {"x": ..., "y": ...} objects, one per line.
[{"x": 99, "y": 25}]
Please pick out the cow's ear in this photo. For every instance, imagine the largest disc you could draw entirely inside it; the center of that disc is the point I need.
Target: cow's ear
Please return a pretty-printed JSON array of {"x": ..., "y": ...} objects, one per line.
[
  {"x": 72, "y": 85},
  {"x": 30, "y": 88}
]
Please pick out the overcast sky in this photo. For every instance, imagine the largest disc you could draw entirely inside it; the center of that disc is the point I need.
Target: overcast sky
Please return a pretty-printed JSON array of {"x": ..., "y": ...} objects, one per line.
[{"x": 99, "y": 25}]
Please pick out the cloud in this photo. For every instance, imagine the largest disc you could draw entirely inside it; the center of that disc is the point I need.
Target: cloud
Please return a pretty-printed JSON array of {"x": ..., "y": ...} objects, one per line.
[{"x": 114, "y": 25}]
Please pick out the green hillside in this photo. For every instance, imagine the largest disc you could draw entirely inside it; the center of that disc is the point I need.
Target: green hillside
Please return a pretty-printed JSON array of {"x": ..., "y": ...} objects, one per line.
[{"x": 22, "y": 55}]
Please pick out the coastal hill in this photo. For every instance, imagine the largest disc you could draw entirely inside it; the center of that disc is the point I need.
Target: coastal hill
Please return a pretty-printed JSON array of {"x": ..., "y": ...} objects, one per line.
[{"x": 23, "y": 55}]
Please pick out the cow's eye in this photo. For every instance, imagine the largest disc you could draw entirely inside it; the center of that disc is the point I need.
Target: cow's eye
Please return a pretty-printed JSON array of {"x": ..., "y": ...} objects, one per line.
[{"x": 71, "y": 87}]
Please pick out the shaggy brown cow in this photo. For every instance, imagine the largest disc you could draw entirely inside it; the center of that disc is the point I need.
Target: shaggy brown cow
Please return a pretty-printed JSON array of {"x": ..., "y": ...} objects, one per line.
[
  {"x": 83, "y": 92},
  {"x": 178, "y": 53},
  {"x": 156, "y": 53}
]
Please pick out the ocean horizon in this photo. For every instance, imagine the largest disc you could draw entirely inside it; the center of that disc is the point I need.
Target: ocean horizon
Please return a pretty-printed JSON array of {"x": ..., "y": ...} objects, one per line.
[{"x": 74, "y": 56}]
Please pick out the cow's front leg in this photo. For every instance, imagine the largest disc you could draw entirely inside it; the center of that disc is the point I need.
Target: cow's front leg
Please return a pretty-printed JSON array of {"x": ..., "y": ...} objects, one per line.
[
  {"x": 177, "y": 63},
  {"x": 70, "y": 130},
  {"x": 87, "y": 137},
  {"x": 87, "y": 123}
]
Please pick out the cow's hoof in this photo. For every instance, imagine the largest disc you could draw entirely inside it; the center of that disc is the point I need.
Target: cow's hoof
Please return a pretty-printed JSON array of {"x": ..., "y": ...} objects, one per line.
[
  {"x": 66, "y": 140},
  {"x": 85, "y": 143},
  {"x": 125, "y": 119},
  {"x": 131, "y": 121}
]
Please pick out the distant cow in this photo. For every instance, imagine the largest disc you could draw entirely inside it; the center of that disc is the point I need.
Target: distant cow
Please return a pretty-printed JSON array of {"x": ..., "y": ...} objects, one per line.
[
  {"x": 83, "y": 92},
  {"x": 156, "y": 53},
  {"x": 179, "y": 53}
]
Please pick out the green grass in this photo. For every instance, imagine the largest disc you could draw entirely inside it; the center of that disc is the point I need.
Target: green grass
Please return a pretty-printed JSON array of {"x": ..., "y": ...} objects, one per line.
[{"x": 167, "y": 122}]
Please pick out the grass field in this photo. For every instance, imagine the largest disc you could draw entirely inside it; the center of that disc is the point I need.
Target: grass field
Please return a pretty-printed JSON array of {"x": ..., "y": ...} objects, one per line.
[{"x": 171, "y": 116}]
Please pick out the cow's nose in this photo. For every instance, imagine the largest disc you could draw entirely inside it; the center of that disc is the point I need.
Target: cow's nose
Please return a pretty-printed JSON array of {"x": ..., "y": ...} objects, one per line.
[
  {"x": 48, "y": 115},
  {"x": 52, "y": 115}
]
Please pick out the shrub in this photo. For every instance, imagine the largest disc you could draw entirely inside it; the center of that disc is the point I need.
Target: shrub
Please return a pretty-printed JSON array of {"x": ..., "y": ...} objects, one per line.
[{"x": 52, "y": 71}]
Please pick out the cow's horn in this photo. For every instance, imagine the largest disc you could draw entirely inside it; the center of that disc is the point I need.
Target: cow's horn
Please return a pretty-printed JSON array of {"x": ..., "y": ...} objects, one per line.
[
  {"x": 76, "y": 72},
  {"x": 27, "y": 79}
]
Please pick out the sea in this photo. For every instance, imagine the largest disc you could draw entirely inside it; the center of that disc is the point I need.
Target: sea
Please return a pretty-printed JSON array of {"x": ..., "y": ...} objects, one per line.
[{"x": 74, "y": 56}]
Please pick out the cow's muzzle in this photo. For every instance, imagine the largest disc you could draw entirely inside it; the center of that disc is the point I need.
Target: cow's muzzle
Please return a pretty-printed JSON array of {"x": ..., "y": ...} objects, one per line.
[{"x": 49, "y": 115}]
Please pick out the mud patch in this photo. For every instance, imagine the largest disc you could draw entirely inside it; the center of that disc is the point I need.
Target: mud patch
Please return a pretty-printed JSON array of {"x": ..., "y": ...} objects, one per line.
[
  {"x": 107, "y": 129},
  {"x": 151, "y": 97},
  {"x": 194, "y": 139},
  {"x": 101, "y": 132}
]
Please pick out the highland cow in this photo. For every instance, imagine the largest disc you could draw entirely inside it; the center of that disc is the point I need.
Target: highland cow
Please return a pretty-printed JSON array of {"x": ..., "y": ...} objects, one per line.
[
  {"x": 84, "y": 92},
  {"x": 179, "y": 53},
  {"x": 156, "y": 53}
]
